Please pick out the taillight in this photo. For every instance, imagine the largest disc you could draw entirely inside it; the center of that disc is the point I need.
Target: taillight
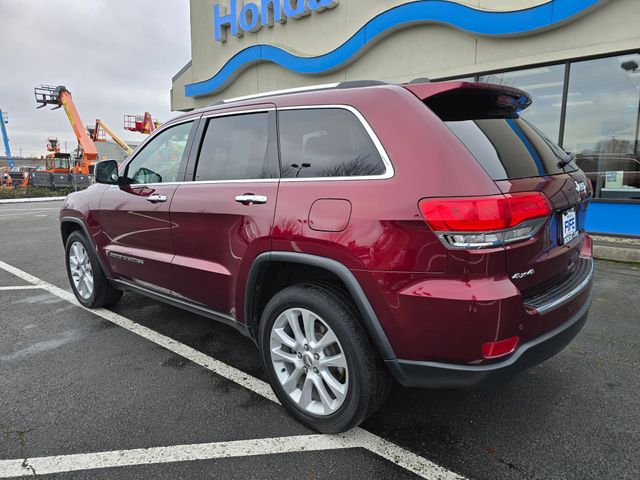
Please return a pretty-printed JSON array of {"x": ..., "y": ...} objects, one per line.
[{"x": 482, "y": 222}]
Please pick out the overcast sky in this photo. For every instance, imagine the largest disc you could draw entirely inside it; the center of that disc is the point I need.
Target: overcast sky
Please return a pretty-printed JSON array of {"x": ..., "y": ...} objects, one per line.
[{"x": 116, "y": 57}]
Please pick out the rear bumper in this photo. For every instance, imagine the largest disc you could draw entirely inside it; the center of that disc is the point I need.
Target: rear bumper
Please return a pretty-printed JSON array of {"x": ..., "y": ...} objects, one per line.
[{"x": 444, "y": 375}]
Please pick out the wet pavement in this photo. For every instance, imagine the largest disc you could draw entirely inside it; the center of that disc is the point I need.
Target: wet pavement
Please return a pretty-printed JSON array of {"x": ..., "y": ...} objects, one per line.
[{"x": 73, "y": 382}]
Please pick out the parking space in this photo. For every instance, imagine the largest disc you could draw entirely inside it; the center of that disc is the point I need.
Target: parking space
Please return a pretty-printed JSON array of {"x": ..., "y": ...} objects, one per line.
[{"x": 148, "y": 391}]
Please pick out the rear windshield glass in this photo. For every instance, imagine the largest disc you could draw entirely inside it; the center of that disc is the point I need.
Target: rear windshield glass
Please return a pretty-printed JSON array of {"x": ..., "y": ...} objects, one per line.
[{"x": 510, "y": 148}]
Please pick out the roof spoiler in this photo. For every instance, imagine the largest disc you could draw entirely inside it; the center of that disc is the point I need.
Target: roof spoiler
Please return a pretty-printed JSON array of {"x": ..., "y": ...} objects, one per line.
[{"x": 494, "y": 100}]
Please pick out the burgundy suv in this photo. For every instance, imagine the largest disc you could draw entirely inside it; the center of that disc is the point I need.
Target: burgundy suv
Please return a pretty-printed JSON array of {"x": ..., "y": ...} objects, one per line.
[{"x": 356, "y": 233}]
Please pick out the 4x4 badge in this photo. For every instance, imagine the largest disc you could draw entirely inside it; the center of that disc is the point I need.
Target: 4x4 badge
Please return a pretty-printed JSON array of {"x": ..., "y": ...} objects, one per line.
[{"x": 518, "y": 276}]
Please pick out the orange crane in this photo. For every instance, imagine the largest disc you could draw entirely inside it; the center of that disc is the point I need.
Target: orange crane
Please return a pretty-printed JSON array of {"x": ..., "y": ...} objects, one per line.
[
  {"x": 61, "y": 97},
  {"x": 98, "y": 135},
  {"x": 140, "y": 123}
]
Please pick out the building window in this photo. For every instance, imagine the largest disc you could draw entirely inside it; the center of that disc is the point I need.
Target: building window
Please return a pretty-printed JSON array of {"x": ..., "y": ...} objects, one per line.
[
  {"x": 326, "y": 142},
  {"x": 545, "y": 85},
  {"x": 602, "y": 123}
]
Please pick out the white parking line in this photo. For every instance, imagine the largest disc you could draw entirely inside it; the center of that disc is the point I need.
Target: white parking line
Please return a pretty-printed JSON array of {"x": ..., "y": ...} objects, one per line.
[
  {"x": 356, "y": 438},
  {"x": 11, "y": 209},
  {"x": 20, "y": 287},
  {"x": 31, "y": 200},
  {"x": 177, "y": 453},
  {"x": 20, "y": 214}
]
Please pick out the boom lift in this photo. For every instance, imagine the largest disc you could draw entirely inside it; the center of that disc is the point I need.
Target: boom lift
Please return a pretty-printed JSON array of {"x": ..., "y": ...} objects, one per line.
[
  {"x": 98, "y": 135},
  {"x": 53, "y": 145},
  {"x": 56, "y": 162},
  {"x": 61, "y": 97},
  {"x": 4, "y": 118},
  {"x": 140, "y": 123}
]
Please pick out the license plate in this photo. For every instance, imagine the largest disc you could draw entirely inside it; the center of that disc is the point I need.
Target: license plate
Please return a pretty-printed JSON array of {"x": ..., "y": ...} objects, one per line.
[{"x": 569, "y": 226}]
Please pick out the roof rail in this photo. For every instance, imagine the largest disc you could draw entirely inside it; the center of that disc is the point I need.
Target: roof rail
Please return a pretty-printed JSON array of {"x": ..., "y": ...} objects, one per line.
[
  {"x": 361, "y": 83},
  {"x": 281, "y": 92},
  {"x": 310, "y": 88}
]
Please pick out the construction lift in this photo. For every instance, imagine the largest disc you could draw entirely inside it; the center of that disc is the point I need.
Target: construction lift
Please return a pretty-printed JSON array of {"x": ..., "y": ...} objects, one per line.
[
  {"x": 4, "y": 119},
  {"x": 56, "y": 162},
  {"x": 99, "y": 134},
  {"x": 53, "y": 145},
  {"x": 61, "y": 97},
  {"x": 6, "y": 181},
  {"x": 140, "y": 123}
]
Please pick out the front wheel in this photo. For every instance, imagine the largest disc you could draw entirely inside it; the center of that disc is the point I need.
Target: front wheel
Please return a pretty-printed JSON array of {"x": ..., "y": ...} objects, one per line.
[
  {"x": 319, "y": 359},
  {"x": 88, "y": 281}
]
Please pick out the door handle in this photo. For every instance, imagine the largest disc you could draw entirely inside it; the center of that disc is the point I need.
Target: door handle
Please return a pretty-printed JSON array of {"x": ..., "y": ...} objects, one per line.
[
  {"x": 249, "y": 199},
  {"x": 155, "y": 198}
]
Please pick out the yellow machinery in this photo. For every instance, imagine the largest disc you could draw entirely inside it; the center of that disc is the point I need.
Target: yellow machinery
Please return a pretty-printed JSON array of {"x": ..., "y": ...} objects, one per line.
[{"x": 98, "y": 135}]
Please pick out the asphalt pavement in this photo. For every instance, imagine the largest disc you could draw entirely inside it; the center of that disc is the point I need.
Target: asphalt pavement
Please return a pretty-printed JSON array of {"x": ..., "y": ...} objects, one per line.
[{"x": 73, "y": 382}]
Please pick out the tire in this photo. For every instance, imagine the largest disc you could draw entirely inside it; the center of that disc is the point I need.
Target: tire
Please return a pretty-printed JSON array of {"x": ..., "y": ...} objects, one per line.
[
  {"x": 353, "y": 386},
  {"x": 83, "y": 265}
]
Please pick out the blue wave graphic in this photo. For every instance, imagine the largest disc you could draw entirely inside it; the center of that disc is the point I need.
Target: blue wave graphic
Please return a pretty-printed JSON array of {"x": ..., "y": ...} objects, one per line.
[{"x": 478, "y": 22}]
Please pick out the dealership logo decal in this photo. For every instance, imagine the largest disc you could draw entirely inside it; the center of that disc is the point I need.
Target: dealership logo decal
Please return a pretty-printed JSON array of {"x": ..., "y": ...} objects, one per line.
[
  {"x": 475, "y": 21},
  {"x": 251, "y": 17}
]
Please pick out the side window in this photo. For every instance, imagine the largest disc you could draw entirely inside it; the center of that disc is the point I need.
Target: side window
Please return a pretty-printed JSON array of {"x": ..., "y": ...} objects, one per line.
[
  {"x": 235, "y": 148},
  {"x": 159, "y": 160},
  {"x": 326, "y": 142}
]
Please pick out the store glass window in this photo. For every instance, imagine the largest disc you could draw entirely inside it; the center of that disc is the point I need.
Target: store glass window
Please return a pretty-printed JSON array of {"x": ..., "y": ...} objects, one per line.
[
  {"x": 544, "y": 84},
  {"x": 602, "y": 124}
]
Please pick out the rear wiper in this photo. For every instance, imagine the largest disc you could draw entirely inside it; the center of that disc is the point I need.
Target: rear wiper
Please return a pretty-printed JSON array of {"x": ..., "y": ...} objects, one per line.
[{"x": 567, "y": 160}]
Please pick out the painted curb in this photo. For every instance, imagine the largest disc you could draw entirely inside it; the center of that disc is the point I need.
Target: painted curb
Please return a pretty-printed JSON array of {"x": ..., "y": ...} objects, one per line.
[
  {"x": 617, "y": 249},
  {"x": 616, "y": 254}
]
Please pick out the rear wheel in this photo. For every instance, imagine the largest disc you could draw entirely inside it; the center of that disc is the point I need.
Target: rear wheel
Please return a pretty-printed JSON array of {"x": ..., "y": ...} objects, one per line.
[
  {"x": 319, "y": 359},
  {"x": 88, "y": 281}
]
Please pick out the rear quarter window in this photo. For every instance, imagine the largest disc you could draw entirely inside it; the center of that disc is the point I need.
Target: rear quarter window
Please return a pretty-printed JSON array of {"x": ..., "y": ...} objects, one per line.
[{"x": 326, "y": 142}]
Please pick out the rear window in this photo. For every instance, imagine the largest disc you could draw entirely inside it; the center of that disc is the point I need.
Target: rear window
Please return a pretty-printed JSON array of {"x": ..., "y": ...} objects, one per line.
[
  {"x": 510, "y": 148},
  {"x": 486, "y": 120}
]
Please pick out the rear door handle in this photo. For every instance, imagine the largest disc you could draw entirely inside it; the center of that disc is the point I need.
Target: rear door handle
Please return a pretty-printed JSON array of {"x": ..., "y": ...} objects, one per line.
[
  {"x": 155, "y": 198},
  {"x": 249, "y": 199}
]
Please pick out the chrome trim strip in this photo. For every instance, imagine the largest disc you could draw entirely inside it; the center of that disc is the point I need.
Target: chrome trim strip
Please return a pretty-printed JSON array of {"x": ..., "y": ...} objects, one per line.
[
  {"x": 558, "y": 302},
  {"x": 309, "y": 88},
  {"x": 228, "y": 113},
  {"x": 389, "y": 171},
  {"x": 536, "y": 225},
  {"x": 248, "y": 180},
  {"x": 256, "y": 180}
]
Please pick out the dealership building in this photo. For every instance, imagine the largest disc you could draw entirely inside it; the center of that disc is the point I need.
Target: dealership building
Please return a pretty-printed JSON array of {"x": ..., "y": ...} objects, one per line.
[{"x": 578, "y": 59}]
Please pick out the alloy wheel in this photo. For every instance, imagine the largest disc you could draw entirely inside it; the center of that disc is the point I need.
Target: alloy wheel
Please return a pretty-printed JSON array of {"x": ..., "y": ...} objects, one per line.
[
  {"x": 81, "y": 271},
  {"x": 309, "y": 361}
]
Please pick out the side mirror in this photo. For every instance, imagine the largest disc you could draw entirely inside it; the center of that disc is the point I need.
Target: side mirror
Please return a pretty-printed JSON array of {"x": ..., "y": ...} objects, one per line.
[{"x": 106, "y": 172}]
